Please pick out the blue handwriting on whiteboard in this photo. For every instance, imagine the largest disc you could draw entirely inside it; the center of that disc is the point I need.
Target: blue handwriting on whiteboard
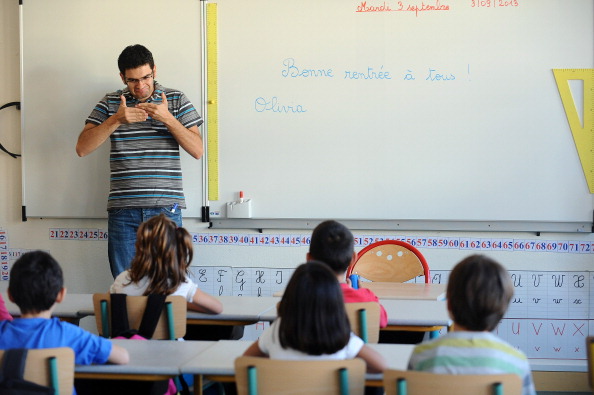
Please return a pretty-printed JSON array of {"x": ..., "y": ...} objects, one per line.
[
  {"x": 291, "y": 70},
  {"x": 435, "y": 76},
  {"x": 261, "y": 105},
  {"x": 370, "y": 74}
]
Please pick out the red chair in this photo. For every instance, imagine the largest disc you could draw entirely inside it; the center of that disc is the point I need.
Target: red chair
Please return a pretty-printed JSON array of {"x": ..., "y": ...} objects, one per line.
[{"x": 390, "y": 261}]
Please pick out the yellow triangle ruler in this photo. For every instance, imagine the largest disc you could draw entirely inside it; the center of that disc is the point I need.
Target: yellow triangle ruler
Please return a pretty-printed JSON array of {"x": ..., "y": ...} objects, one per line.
[
  {"x": 212, "y": 121},
  {"x": 582, "y": 127}
]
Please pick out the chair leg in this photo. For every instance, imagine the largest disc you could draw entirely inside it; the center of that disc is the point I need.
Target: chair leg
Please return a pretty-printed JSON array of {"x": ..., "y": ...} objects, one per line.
[
  {"x": 497, "y": 389},
  {"x": 54, "y": 379},
  {"x": 252, "y": 380},
  {"x": 401, "y": 386},
  {"x": 344, "y": 381},
  {"x": 104, "y": 319},
  {"x": 170, "y": 320},
  {"x": 363, "y": 325}
]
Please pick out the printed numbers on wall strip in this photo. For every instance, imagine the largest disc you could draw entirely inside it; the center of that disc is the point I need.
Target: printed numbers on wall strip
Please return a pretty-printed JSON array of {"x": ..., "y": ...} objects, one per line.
[
  {"x": 77, "y": 234},
  {"x": 300, "y": 240},
  {"x": 458, "y": 243}
]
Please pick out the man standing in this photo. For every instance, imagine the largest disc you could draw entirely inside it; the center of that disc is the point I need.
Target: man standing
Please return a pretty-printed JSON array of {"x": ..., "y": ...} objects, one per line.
[{"x": 146, "y": 123}]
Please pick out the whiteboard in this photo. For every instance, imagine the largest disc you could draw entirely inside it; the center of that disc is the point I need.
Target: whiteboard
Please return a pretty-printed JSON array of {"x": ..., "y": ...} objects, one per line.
[
  {"x": 69, "y": 61},
  {"x": 414, "y": 114},
  {"x": 327, "y": 112}
]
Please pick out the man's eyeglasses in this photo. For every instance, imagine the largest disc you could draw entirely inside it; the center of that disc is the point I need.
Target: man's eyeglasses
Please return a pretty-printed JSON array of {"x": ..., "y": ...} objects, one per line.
[{"x": 133, "y": 81}]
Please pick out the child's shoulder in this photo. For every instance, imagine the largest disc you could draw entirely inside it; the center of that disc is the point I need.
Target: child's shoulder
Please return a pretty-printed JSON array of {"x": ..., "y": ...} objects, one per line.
[{"x": 358, "y": 295}]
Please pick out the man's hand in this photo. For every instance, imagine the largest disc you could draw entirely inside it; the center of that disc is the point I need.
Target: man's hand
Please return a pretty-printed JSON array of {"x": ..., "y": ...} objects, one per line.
[
  {"x": 127, "y": 114},
  {"x": 159, "y": 112}
]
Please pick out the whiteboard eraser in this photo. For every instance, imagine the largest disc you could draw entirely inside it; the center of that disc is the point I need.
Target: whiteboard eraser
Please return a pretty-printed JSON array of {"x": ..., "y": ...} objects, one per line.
[{"x": 240, "y": 209}]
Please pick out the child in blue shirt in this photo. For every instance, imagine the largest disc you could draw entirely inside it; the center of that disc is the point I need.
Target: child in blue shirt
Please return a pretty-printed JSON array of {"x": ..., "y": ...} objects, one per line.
[{"x": 36, "y": 285}]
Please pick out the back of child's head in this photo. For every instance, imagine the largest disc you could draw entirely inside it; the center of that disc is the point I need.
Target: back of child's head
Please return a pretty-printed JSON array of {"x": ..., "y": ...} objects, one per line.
[
  {"x": 334, "y": 244},
  {"x": 312, "y": 315},
  {"x": 35, "y": 281},
  {"x": 163, "y": 254},
  {"x": 479, "y": 291}
]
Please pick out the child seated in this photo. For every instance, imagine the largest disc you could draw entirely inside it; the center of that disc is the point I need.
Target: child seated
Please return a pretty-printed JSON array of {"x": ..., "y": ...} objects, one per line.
[
  {"x": 312, "y": 323},
  {"x": 333, "y": 244},
  {"x": 36, "y": 285},
  {"x": 161, "y": 266},
  {"x": 478, "y": 294}
]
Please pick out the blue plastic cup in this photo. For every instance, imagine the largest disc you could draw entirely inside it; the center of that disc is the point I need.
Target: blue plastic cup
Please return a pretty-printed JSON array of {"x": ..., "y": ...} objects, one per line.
[{"x": 354, "y": 281}]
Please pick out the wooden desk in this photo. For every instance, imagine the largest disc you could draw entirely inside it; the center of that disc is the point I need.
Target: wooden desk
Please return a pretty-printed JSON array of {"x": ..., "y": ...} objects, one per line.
[
  {"x": 420, "y": 291},
  {"x": 416, "y": 315},
  {"x": 217, "y": 362},
  {"x": 416, "y": 312},
  {"x": 391, "y": 290},
  {"x": 149, "y": 360},
  {"x": 237, "y": 310},
  {"x": 72, "y": 309}
]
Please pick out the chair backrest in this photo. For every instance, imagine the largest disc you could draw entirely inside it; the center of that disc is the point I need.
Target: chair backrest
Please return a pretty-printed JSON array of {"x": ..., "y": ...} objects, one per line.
[
  {"x": 402, "y": 382},
  {"x": 590, "y": 352},
  {"x": 40, "y": 369},
  {"x": 390, "y": 261},
  {"x": 264, "y": 376},
  {"x": 365, "y": 319},
  {"x": 136, "y": 306}
]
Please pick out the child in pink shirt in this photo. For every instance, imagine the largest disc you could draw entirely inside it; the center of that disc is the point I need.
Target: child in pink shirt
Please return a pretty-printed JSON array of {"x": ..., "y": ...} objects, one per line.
[{"x": 4, "y": 314}]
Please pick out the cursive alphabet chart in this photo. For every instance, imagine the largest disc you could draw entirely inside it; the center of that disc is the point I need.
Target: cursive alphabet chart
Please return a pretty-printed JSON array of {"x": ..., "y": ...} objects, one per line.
[{"x": 549, "y": 316}]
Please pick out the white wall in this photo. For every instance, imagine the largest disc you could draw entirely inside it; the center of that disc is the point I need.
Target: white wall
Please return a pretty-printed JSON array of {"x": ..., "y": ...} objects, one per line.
[{"x": 85, "y": 262}]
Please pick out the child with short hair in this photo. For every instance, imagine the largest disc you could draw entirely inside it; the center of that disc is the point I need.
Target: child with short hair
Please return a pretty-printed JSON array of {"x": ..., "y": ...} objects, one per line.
[
  {"x": 333, "y": 244},
  {"x": 36, "y": 285},
  {"x": 312, "y": 323},
  {"x": 161, "y": 266},
  {"x": 478, "y": 294}
]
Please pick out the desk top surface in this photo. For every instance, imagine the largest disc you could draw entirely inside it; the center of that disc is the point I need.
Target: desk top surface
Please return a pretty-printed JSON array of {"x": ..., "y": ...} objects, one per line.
[
  {"x": 73, "y": 306},
  {"x": 239, "y": 308},
  {"x": 400, "y": 311},
  {"x": 162, "y": 357},
  {"x": 392, "y": 290},
  {"x": 221, "y": 357},
  {"x": 421, "y": 291},
  {"x": 416, "y": 312}
]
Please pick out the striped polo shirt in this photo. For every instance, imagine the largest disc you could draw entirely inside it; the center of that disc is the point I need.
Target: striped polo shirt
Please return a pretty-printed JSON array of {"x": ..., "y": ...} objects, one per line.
[
  {"x": 144, "y": 158},
  {"x": 472, "y": 353}
]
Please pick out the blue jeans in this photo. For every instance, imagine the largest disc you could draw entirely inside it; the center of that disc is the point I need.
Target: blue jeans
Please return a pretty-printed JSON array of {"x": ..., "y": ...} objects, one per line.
[{"x": 122, "y": 225}]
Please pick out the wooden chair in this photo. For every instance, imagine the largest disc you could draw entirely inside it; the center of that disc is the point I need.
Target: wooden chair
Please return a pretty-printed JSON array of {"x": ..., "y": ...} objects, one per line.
[
  {"x": 51, "y": 367},
  {"x": 365, "y": 319},
  {"x": 390, "y": 261},
  {"x": 399, "y": 382},
  {"x": 171, "y": 325},
  {"x": 590, "y": 352},
  {"x": 264, "y": 376}
]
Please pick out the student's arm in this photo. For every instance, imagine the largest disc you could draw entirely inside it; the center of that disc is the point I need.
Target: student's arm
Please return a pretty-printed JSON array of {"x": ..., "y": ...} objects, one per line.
[
  {"x": 254, "y": 351},
  {"x": 375, "y": 361},
  {"x": 205, "y": 303},
  {"x": 188, "y": 138},
  {"x": 118, "y": 355},
  {"x": 92, "y": 136}
]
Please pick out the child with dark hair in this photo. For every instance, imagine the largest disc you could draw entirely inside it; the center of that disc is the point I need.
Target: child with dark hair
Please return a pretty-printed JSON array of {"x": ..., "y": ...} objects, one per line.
[
  {"x": 36, "y": 285},
  {"x": 478, "y": 294},
  {"x": 333, "y": 244},
  {"x": 312, "y": 323}
]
